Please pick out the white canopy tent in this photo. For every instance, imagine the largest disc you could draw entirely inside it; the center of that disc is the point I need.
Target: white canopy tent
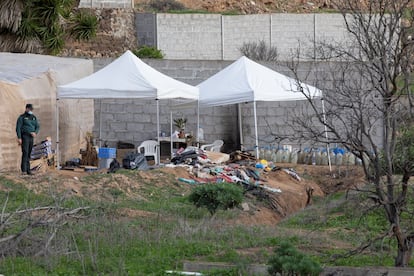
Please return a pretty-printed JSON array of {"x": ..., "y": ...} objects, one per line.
[
  {"x": 247, "y": 81},
  {"x": 128, "y": 77}
]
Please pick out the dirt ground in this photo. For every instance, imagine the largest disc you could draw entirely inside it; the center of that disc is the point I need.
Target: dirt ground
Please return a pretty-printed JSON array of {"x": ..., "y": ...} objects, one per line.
[{"x": 293, "y": 197}]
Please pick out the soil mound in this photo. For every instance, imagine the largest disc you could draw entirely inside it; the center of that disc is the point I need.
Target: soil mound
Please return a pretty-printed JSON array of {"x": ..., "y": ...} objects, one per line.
[{"x": 284, "y": 193}]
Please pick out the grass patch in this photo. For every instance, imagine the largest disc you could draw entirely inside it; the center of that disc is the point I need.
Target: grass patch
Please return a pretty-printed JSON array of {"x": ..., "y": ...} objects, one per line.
[
  {"x": 18, "y": 196},
  {"x": 343, "y": 222},
  {"x": 168, "y": 229}
]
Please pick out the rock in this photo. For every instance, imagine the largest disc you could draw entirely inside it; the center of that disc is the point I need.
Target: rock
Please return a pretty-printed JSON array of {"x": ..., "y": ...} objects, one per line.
[{"x": 245, "y": 207}]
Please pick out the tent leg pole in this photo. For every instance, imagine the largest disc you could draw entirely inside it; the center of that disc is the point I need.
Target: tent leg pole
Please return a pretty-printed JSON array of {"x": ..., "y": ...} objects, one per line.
[
  {"x": 198, "y": 124},
  {"x": 57, "y": 135},
  {"x": 239, "y": 111},
  {"x": 158, "y": 132},
  {"x": 100, "y": 123},
  {"x": 255, "y": 130},
  {"x": 171, "y": 138}
]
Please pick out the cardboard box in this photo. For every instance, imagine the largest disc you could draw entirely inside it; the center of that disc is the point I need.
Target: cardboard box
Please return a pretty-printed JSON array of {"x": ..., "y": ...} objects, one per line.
[{"x": 121, "y": 153}]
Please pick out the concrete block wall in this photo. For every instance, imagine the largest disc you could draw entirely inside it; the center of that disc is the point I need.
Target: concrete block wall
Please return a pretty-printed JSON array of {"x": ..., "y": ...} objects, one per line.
[
  {"x": 219, "y": 37},
  {"x": 146, "y": 28},
  {"x": 190, "y": 36},
  {"x": 241, "y": 29},
  {"x": 330, "y": 27},
  {"x": 135, "y": 120},
  {"x": 291, "y": 31}
]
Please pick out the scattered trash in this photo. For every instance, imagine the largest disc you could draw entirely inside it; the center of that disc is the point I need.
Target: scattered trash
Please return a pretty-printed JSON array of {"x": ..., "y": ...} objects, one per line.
[
  {"x": 175, "y": 272},
  {"x": 134, "y": 161},
  {"x": 186, "y": 180},
  {"x": 114, "y": 166},
  {"x": 273, "y": 190},
  {"x": 292, "y": 173},
  {"x": 245, "y": 207}
]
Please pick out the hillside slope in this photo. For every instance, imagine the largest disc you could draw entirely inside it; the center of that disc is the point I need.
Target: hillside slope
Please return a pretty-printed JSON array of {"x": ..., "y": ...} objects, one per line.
[{"x": 253, "y": 6}]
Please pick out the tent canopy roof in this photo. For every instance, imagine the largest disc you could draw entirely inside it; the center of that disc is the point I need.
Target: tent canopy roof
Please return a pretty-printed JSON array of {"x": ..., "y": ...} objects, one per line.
[
  {"x": 246, "y": 81},
  {"x": 128, "y": 77}
]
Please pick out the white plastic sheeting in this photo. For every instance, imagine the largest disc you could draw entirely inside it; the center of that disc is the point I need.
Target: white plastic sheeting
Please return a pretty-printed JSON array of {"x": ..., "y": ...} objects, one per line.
[{"x": 31, "y": 78}]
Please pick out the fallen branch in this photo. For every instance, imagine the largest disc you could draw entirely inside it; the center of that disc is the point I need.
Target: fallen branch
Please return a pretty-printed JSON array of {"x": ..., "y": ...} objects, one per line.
[{"x": 24, "y": 221}]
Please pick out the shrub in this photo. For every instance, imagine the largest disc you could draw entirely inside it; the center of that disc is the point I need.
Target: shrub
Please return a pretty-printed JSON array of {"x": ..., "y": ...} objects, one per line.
[
  {"x": 166, "y": 5},
  {"x": 287, "y": 260},
  {"x": 148, "y": 52},
  {"x": 54, "y": 38},
  {"x": 259, "y": 51},
  {"x": 217, "y": 196},
  {"x": 85, "y": 25}
]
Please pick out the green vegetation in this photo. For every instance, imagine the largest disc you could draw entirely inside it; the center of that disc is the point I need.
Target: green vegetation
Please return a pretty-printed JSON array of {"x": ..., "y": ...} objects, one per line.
[
  {"x": 217, "y": 196},
  {"x": 352, "y": 220},
  {"x": 85, "y": 25},
  {"x": 45, "y": 25},
  {"x": 149, "y": 228},
  {"x": 165, "y": 5},
  {"x": 148, "y": 52},
  {"x": 287, "y": 260},
  {"x": 405, "y": 150},
  {"x": 173, "y": 6}
]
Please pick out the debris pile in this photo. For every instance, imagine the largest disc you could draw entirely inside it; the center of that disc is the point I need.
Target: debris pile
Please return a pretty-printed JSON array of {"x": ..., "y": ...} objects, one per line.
[
  {"x": 241, "y": 168},
  {"x": 42, "y": 156}
]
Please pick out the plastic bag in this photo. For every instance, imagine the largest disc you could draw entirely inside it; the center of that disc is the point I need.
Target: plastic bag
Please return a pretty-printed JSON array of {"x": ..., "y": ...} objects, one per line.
[{"x": 135, "y": 161}]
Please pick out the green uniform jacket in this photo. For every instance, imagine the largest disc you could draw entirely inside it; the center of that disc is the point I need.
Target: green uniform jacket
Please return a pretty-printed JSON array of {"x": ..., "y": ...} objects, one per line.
[{"x": 26, "y": 123}]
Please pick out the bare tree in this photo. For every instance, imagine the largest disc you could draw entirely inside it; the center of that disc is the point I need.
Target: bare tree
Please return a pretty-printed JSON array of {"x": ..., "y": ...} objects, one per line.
[{"x": 367, "y": 86}]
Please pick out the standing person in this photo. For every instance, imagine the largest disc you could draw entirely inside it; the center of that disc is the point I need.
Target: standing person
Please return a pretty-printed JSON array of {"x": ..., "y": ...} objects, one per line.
[{"x": 27, "y": 127}]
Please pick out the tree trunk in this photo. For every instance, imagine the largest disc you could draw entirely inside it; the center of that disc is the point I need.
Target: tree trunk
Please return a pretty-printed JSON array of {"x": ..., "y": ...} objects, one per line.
[
  {"x": 404, "y": 256},
  {"x": 405, "y": 249}
]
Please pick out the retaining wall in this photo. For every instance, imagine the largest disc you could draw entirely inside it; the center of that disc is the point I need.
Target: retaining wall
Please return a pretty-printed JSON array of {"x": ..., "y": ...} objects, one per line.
[
  {"x": 220, "y": 37},
  {"x": 206, "y": 36}
]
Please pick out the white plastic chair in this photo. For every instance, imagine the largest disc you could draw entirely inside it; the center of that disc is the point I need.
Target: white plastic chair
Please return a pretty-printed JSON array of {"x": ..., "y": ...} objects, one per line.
[
  {"x": 215, "y": 146},
  {"x": 150, "y": 149}
]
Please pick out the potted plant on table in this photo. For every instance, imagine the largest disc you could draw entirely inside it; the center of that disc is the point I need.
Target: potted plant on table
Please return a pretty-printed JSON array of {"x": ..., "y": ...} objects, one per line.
[{"x": 180, "y": 124}]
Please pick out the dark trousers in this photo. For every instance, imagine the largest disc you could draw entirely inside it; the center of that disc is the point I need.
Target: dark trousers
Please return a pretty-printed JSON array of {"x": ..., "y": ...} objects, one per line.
[{"x": 27, "y": 145}]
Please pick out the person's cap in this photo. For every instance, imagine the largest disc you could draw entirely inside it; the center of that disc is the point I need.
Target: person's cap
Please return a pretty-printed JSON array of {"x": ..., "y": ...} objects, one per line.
[{"x": 29, "y": 106}]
